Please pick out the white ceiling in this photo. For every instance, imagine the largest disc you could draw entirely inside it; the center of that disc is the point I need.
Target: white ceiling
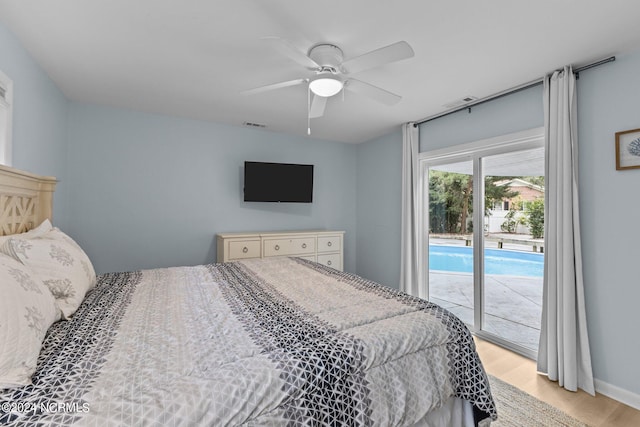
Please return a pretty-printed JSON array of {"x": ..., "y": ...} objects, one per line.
[{"x": 192, "y": 58}]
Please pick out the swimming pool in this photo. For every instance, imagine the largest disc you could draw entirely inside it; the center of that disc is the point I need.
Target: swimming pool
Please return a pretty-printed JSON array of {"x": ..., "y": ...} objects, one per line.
[{"x": 496, "y": 261}]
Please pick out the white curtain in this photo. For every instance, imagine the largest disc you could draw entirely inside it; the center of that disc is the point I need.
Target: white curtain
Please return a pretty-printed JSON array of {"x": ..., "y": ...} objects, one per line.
[
  {"x": 563, "y": 353},
  {"x": 409, "y": 240}
]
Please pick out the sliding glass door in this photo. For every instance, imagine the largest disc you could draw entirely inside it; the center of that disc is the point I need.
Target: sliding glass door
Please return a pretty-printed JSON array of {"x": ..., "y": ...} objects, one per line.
[{"x": 484, "y": 211}]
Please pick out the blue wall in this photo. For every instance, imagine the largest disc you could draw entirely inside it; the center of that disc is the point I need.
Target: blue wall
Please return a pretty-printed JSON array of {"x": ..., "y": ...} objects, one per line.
[
  {"x": 609, "y": 207},
  {"x": 39, "y": 119},
  {"x": 152, "y": 191},
  {"x": 519, "y": 111},
  {"x": 379, "y": 199}
]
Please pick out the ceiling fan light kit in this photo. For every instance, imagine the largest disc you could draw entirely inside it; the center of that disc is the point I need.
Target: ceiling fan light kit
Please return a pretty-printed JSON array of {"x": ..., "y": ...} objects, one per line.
[{"x": 326, "y": 86}]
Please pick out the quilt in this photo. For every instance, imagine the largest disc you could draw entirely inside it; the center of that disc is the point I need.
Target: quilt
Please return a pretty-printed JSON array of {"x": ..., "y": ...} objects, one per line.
[{"x": 280, "y": 341}]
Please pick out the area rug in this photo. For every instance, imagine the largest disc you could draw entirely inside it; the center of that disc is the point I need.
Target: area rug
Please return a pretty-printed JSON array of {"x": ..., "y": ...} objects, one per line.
[{"x": 519, "y": 409}]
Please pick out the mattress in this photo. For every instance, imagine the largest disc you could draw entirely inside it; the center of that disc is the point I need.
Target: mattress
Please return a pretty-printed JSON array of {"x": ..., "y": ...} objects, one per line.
[{"x": 279, "y": 341}]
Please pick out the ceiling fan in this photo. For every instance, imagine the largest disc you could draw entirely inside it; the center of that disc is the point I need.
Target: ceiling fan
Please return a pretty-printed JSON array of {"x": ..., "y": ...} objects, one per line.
[{"x": 331, "y": 72}]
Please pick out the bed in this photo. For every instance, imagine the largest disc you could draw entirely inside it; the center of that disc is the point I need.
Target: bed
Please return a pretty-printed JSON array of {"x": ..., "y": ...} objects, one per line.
[{"x": 280, "y": 341}]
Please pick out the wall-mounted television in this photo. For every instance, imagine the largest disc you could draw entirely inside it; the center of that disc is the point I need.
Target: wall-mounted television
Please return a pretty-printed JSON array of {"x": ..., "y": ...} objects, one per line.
[{"x": 278, "y": 182}]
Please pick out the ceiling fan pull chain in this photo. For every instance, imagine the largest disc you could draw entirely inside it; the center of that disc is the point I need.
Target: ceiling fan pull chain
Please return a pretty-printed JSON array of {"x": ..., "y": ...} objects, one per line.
[{"x": 308, "y": 110}]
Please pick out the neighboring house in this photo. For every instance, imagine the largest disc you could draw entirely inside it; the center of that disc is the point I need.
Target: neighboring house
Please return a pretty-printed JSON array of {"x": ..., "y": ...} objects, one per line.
[{"x": 527, "y": 192}]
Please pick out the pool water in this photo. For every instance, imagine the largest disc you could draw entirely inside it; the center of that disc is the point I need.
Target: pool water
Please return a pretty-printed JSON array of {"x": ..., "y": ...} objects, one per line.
[{"x": 496, "y": 261}]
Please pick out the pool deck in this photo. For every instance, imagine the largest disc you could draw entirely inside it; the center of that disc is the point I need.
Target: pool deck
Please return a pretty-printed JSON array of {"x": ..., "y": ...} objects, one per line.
[{"x": 513, "y": 304}]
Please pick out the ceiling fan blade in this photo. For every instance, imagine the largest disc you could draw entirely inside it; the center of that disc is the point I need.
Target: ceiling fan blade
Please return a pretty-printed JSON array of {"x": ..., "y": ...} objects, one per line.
[
  {"x": 374, "y": 92},
  {"x": 287, "y": 49},
  {"x": 318, "y": 105},
  {"x": 375, "y": 58},
  {"x": 273, "y": 86}
]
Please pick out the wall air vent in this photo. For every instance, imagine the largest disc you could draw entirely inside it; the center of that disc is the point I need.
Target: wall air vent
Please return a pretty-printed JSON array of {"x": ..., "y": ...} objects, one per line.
[
  {"x": 460, "y": 102},
  {"x": 254, "y": 125}
]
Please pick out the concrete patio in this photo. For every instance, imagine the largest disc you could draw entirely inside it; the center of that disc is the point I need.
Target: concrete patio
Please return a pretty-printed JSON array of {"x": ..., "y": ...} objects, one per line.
[{"x": 513, "y": 304}]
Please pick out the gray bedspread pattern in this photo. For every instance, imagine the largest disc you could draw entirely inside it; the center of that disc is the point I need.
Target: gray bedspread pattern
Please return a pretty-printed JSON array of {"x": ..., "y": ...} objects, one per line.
[
  {"x": 261, "y": 342},
  {"x": 72, "y": 354}
]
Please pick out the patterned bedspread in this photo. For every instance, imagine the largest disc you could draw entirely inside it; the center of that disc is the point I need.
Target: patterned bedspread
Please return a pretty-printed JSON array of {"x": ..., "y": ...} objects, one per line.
[{"x": 259, "y": 342}]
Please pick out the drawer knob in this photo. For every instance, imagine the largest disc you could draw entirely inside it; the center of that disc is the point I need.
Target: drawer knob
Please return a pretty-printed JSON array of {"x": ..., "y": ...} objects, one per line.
[
  {"x": 277, "y": 247},
  {"x": 245, "y": 250},
  {"x": 329, "y": 262},
  {"x": 329, "y": 244},
  {"x": 304, "y": 246}
]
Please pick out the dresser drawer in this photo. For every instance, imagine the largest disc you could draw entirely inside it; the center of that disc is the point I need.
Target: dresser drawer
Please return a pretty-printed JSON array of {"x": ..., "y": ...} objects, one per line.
[
  {"x": 288, "y": 247},
  {"x": 329, "y": 243},
  {"x": 241, "y": 249},
  {"x": 331, "y": 260}
]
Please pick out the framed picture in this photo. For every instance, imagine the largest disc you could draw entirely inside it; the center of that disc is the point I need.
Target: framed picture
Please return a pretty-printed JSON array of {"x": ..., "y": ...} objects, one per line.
[{"x": 628, "y": 149}]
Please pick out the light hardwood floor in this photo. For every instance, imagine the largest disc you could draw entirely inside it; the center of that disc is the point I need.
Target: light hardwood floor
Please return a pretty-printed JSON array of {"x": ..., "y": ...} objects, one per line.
[{"x": 521, "y": 373}]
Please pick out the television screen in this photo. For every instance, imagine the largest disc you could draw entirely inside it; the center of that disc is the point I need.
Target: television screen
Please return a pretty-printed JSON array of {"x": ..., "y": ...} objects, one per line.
[{"x": 278, "y": 182}]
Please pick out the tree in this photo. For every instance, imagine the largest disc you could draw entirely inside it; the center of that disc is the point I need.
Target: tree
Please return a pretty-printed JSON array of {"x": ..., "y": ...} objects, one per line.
[{"x": 451, "y": 200}]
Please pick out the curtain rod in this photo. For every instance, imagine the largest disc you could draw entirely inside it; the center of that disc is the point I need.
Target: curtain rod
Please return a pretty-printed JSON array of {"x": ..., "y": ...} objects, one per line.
[{"x": 511, "y": 91}]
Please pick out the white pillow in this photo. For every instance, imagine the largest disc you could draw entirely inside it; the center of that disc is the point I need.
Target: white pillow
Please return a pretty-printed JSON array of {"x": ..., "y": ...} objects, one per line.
[
  {"x": 43, "y": 228},
  {"x": 27, "y": 309},
  {"x": 60, "y": 263}
]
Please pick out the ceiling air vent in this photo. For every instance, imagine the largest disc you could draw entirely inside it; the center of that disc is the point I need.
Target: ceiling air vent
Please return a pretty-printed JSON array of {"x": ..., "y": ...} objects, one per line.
[
  {"x": 254, "y": 125},
  {"x": 461, "y": 102}
]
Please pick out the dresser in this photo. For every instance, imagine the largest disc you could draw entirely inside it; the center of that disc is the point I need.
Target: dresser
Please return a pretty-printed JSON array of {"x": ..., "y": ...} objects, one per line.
[{"x": 324, "y": 247}]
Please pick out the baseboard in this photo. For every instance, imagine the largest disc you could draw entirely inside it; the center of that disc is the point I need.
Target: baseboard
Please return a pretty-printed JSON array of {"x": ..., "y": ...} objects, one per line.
[{"x": 617, "y": 393}]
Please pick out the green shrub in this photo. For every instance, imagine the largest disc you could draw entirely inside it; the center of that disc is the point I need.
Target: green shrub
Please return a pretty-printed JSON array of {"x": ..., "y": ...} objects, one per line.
[
  {"x": 510, "y": 225},
  {"x": 534, "y": 213}
]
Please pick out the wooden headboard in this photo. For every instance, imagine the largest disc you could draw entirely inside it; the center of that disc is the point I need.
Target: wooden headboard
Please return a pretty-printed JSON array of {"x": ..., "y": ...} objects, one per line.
[{"x": 26, "y": 200}]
